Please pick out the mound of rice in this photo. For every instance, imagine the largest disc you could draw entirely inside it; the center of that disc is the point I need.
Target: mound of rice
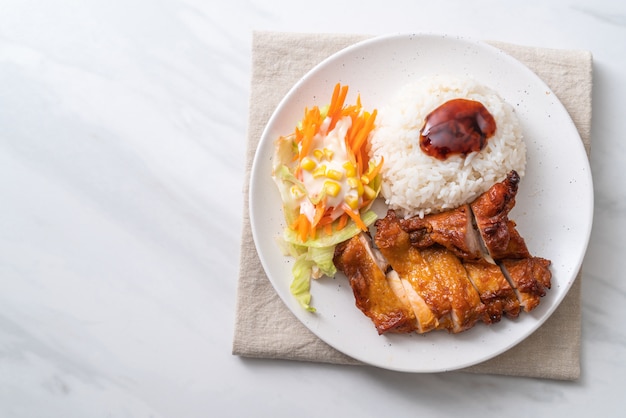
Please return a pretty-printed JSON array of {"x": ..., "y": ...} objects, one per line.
[{"x": 417, "y": 184}]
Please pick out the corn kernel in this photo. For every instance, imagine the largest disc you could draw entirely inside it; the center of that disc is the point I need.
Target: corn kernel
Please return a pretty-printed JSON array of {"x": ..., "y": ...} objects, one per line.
[
  {"x": 365, "y": 180},
  {"x": 318, "y": 153},
  {"x": 319, "y": 171},
  {"x": 369, "y": 193},
  {"x": 352, "y": 201},
  {"x": 328, "y": 153},
  {"x": 334, "y": 174},
  {"x": 350, "y": 169},
  {"x": 332, "y": 188},
  {"x": 307, "y": 164},
  {"x": 355, "y": 183},
  {"x": 296, "y": 192}
]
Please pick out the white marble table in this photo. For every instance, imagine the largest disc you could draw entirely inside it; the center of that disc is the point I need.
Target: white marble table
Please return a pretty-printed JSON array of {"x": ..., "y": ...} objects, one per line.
[{"x": 122, "y": 135}]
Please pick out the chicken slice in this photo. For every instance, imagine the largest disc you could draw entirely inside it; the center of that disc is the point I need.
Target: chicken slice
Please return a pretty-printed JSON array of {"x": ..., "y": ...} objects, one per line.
[
  {"x": 491, "y": 211},
  {"x": 467, "y": 308},
  {"x": 448, "y": 270},
  {"x": 453, "y": 229},
  {"x": 372, "y": 292},
  {"x": 425, "y": 318},
  {"x": 516, "y": 248},
  {"x": 530, "y": 277},
  {"x": 494, "y": 290},
  {"x": 427, "y": 294}
]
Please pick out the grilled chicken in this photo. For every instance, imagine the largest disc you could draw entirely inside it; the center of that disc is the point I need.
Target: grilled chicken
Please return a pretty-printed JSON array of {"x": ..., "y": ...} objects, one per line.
[
  {"x": 442, "y": 295},
  {"x": 442, "y": 273},
  {"x": 491, "y": 210},
  {"x": 373, "y": 294},
  {"x": 453, "y": 229},
  {"x": 425, "y": 319},
  {"x": 530, "y": 277},
  {"x": 426, "y": 294},
  {"x": 467, "y": 308},
  {"x": 494, "y": 290}
]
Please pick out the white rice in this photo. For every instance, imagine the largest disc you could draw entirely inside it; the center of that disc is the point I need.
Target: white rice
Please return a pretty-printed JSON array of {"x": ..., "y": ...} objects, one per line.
[{"x": 417, "y": 184}]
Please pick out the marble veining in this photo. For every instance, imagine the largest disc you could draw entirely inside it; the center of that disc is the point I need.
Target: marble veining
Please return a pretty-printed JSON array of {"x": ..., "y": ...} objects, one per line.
[
  {"x": 122, "y": 146},
  {"x": 615, "y": 17}
]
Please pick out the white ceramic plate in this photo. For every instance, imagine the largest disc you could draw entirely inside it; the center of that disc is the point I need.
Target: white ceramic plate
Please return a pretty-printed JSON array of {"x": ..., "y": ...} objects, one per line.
[{"x": 554, "y": 204}]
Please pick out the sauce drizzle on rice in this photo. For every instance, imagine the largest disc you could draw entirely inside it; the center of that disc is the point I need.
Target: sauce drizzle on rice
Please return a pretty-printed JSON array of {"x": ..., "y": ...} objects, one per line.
[
  {"x": 415, "y": 183},
  {"x": 459, "y": 126}
]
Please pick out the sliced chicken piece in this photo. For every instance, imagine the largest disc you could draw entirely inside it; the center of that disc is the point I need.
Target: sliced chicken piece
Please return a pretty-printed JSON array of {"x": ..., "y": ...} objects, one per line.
[
  {"x": 430, "y": 296},
  {"x": 467, "y": 308},
  {"x": 494, "y": 290},
  {"x": 453, "y": 229},
  {"x": 530, "y": 277},
  {"x": 516, "y": 247},
  {"x": 424, "y": 291},
  {"x": 440, "y": 272},
  {"x": 372, "y": 292},
  {"x": 425, "y": 318},
  {"x": 491, "y": 211}
]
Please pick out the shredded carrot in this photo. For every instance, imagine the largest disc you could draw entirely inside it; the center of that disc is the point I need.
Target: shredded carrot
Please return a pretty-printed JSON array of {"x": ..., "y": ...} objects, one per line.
[
  {"x": 320, "y": 210},
  {"x": 310, "y": 126},
  {"x": 355, "y": 217},
  {"x": 304, "y": 227},
  {"x": 364, "y": 157},
  {"x": 301, "y": 226},
  {"x": 359, "y": 163},
  {"x": 342, "y": 222},
  {"x": 294, "y": 225},
  {"x": 356, "y": 140},
  {"x": 333, "y": 99},
  {"x": 372, "y": 174},
  {"x": 364, "y": 131},
  {"x": 336, "y": 106},
  {"x": 357, "y": 125}
]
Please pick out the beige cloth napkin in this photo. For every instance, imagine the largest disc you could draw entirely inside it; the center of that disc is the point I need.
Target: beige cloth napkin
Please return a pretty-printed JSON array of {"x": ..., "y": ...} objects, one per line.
[{"x": 265, "y": 328}]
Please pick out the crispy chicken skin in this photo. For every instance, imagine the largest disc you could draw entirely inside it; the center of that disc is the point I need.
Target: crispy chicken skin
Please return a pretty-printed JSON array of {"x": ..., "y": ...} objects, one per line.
[
  {"x": 446, "y": 271},
  {"x": 425, "y": 319},
  {"x": 491, "y": 210},
  {"x": 436, "y": 278},
  {"x": 530, "y": 277},
  {"x": 432, "y": 310},
  {"x": 465, "y": 303},
  {"x": 494, "y": 290},
  {"x": 372, "y": 292},
  {"x": 453, "y": 229}
]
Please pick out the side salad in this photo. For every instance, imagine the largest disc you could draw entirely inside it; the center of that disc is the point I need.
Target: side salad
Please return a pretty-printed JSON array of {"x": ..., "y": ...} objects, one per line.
[{"x": 327, "y": 184}]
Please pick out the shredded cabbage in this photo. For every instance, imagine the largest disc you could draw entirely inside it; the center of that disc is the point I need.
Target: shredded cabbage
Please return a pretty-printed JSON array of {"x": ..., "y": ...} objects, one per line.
[{"x": 314, "y": 258}]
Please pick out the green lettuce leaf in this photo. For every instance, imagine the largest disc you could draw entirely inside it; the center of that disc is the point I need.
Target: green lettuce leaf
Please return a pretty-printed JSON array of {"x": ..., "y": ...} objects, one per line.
[
  {"x": 314, "y": 257},
  {"x": 301, "y": 283},
  {"x": 335, "y": 238}
]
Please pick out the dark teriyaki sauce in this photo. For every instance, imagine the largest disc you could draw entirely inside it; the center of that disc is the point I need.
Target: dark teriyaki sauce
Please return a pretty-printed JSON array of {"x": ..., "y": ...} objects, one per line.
[{"x": 459, "y": 126}]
